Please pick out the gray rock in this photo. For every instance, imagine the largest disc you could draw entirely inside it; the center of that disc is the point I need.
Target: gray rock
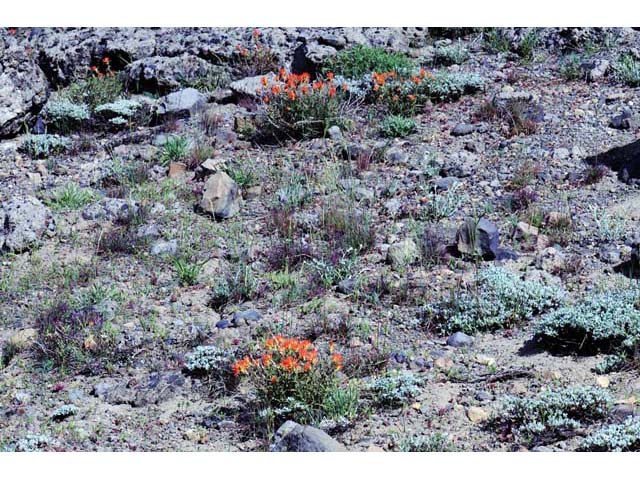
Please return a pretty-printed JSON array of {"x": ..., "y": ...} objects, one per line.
[
  {"x": 221, "y": 197},
  {"x": 162, "y": 247},
  {"x": 335, "y": 133},
  {"x": 462, "y": 129},
  {"x": 478, "y": 238},
  {"x": 625, "y": 120},
  {"x": 402, "y": 254},
  {"x": 23, "y": 91},
  {"x": 460, "y": 339},
  {"x": 250, "y": 86},
  {"x": 23, "y": 221},
  {"x": 182, "y": 103},
  {"x": 292, "y": 437},
  {"x": 166, "y": 74},
  {"x": 594, "y": 69},
  {"x": 111, "y": 209},
  {"x": 246, "y": 316}
]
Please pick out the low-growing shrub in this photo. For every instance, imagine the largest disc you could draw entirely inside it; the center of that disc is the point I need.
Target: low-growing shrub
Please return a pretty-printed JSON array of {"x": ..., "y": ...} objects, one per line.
[
  {"x": 119, "y": 113},
  {"x": 570, "y": 67},
  {"x": 213, "y": 364},
  {"x": 604, "y": 322},
  {"x": 65, "y": 116},
  {"x": 239, "y": 284},
  {"x": 454, "y": 54},
  {"x": 44, "y": 145},
  {"x": 70, "y": 337},
  {"x": 500, "y": 299},
  {"x": 435, "y": 442},
  {"x": 395, "y": 126},
  {"x": 395, "y": 388},
  {"x": 361, "y": 60},
  {"x": 292, "y": 379},
  {"x": 553, "y": 415},
  {"x": 621, "y": 437}
]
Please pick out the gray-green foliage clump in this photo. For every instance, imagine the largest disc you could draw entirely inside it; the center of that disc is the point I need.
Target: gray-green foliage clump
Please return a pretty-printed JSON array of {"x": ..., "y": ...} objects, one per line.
[
  {"x": 605, "y": 322},
  {"x": 32, "y": 443},
  {"x": 120, "y": 112},
  {"x": 397, "y": 126},
  {"x": 454, "y": 54},
  {"x": 395, "y": 388},
  {"x": 64, "y": 116},
  {"x": 446, "y": 86},
  {"x": 552, "y": 414},
  {"x": 620, "y": 437},
  {"x": 500, "y": 299},
  {"x": 213, "y": 363},
  {"x": 42, "y": 146}
]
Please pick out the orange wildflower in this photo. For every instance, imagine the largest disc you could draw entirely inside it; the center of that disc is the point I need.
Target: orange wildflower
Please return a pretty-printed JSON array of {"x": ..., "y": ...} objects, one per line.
[
  {"x": 332, "y": 91},
  {"x": 289, "y": 363},
  {"x": 12, "y": 31},
  {"x": 267, "y": 358},
  {"x": 265, "y": 99},
  {"x": 275, "y": 89},
  {"x": 106, "y": 60},
  {"x": 412, "y": 98},
  {"x": 264, "y": 81},
  {"x": 305, "y": 90},
  {"x": 241, "y": 366},
  {"x": 318, "y": 85},
  {"x": 329, "y": 76},
  {"x": 274, "y": 379},
  {"x": 292, "y": 95},
  {"x": 337, "y": 360}
]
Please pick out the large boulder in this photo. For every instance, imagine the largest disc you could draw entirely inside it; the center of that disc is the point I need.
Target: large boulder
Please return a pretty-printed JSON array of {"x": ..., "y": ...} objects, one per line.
[
  {"x": 293, "y": 437},
  {"x": 221, "y": 197},
  {"x": 23, "y": 221},
  {"x": 23, "y": 91},
  {"x": 167, "y": 74},
  {"x": 182, "y": 103}
]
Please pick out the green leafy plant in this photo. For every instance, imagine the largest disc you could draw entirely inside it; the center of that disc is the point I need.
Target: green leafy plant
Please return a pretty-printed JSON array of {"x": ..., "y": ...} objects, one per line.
[
  {"x": 361, "y": 60},
  {"x": 397, "y": 126},
  {"x": 187, "y": 271},
  {"x": 174, "y": 150},
  {"x": 71, "y": 197}
]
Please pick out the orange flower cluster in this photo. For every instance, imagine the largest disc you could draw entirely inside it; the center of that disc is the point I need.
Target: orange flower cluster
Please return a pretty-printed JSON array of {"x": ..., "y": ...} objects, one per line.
[
  {"x": 106, "y": 61},
  {"x": 291, "y": 355},
  {"x": 293, "y": 86}
]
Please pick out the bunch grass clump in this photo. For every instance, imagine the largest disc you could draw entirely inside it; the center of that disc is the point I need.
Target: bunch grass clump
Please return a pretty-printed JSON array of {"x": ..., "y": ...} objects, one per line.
[
  {"x": 627, "y": 70},
  {"x": 500, "y": 299},
  {"x": 71, "y": 197},
  {"x": 553, "y": 414}
]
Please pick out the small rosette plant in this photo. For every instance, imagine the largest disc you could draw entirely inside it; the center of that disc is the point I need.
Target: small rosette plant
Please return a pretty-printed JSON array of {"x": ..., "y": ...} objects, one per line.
[
  {"x": 298, "y": 108},
  {"x": 292, "y": 379}
]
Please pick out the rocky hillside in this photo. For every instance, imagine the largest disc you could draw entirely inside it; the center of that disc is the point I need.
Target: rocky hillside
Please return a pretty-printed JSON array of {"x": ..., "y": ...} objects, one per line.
[{"x": 294, "y": 239}]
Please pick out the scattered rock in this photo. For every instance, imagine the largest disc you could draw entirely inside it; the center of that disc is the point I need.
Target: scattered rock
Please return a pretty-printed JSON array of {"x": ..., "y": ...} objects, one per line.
[
  {"x": 182, "y": 103},
  {"x": 23, "y": 221},
  {"x": 221, "y": 197},
  {"x": 460, "y": 340},
  {"x": 479, "y": 238},
  {"x": 402, "y": 254},
  {"x": 292, "y": 437},
  {"x": 477, "y": 415}
]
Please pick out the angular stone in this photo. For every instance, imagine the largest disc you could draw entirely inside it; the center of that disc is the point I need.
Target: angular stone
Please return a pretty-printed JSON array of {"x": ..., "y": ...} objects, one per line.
[
  {"x": 23, "y": 221},
  {"x": 221, "y": 197},
  {"x": 182, "y": 103},
  {"x": 478, "y": 238}
]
